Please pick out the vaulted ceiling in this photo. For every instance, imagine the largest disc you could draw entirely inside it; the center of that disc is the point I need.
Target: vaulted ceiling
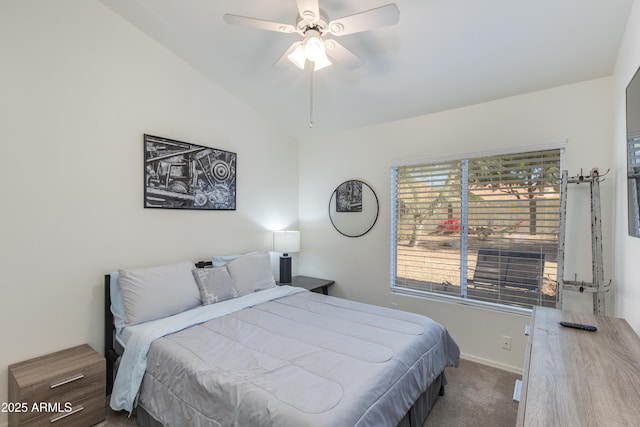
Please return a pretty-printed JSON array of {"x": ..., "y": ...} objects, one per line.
[{"x": 442, "y": 54}]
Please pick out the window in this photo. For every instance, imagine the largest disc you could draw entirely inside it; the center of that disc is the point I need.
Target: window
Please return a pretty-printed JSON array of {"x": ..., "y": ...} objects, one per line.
[{"x": 481, "y": 229}]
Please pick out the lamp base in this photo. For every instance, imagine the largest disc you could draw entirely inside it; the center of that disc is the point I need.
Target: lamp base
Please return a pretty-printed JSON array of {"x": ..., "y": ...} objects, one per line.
[{"x": 285, "y": 269}]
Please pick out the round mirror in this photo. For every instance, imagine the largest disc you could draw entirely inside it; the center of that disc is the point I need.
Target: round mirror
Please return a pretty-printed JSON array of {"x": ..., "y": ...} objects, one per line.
[{"x": 353, "y": 208}]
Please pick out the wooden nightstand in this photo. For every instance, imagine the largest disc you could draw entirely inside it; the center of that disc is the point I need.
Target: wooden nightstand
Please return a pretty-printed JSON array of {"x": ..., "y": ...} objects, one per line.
[
  {"x": 311, "y": 283},
  {"x": 62, "y": 388}
]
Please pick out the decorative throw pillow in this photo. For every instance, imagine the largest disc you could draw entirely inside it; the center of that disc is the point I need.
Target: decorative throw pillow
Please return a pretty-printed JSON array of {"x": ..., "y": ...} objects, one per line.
[
  {"x": 251, "y": 273},
  {"x": 156, "y": 292},
  {"x": 215, "y": 284}
]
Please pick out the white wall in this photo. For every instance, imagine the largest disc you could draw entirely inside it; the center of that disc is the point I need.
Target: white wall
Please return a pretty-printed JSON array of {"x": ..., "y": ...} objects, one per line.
[
  {"x": 627, "y": 249},
  {"x": 79, "y": 87},
  {"x": 580, "y": 114}
]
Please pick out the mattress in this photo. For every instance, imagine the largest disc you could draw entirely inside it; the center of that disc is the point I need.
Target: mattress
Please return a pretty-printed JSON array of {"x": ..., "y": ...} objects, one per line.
[{"x": 303, "y": 359}]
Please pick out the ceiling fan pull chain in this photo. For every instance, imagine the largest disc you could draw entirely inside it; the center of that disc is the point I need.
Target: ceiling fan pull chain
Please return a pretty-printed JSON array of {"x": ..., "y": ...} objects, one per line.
[{"x": 311, "y": 95}]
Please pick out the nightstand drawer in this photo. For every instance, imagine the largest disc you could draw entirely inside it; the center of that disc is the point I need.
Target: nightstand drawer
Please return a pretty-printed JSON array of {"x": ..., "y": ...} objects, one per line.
[
  {"x": 71, "y": 384},
  {"x": 67, "y": 387},
  {"x": 87, "y": 411}
]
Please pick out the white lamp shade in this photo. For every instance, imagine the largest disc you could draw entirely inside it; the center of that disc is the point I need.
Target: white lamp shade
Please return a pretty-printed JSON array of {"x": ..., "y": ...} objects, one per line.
[
  {"x": 286, "y": 241},
  {"x": 312, "y": 49},
  {"x": 298, "y": 56},
  {"x": 321, "y": 62}
]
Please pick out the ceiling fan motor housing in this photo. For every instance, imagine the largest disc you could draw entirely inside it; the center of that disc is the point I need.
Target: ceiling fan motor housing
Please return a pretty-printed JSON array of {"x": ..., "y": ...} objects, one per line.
[{"x": 308, "y": 21}]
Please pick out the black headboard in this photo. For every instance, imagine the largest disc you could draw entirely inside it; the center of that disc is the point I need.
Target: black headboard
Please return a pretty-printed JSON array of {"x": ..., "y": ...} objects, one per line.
[
  {"x": 110, "y": 351},
  {"x": 109, "y": 333}
]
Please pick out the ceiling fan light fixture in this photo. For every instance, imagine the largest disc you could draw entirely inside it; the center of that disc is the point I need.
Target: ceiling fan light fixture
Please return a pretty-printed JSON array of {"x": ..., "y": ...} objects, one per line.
[
  {"x": 321, "y": 62},
  {"x": 312, "y": 49},
  {"x": 315, "y": 49},
  {"x": 313, "y": 46},
  {"x": 298, "y": 56}
]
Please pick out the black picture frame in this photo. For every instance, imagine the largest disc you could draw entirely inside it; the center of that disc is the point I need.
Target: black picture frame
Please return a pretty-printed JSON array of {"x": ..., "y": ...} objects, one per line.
[{"x": 182, "y": 175}]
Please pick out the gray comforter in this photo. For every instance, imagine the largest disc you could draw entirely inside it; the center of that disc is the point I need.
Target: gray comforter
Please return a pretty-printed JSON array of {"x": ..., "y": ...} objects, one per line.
[{"x": 301, "y": 360}]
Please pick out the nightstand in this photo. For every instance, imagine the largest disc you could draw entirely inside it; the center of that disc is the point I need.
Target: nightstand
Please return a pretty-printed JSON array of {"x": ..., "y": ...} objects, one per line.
[
  {"x": 311, "y": 283},
  {"x": 62, "y": 388}
]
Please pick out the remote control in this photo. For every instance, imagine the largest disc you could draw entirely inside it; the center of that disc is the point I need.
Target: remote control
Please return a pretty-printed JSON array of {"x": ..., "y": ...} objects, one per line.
[{"x": 579, "y": 326}]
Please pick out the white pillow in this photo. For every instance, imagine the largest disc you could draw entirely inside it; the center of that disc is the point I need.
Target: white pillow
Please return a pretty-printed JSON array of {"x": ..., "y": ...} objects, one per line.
[
  {"x": 157, "y": 292},
  {"x": 214, "y": 284},
  {"x": 222, "y": 260},
  {"x": 251, "y": 273}
]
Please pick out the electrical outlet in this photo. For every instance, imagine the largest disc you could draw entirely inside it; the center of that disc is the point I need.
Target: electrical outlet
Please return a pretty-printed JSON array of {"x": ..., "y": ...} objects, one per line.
[
  {"x": 506, "y": 342},
  {"x": 394, "y": 305}
]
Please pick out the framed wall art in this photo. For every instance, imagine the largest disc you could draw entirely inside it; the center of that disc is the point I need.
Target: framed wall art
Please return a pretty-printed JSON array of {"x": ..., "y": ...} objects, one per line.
[
  {"x": 353, "y": 208},
  {"x": 181, "y": 175},
  {"x": 349, "y": 196}
]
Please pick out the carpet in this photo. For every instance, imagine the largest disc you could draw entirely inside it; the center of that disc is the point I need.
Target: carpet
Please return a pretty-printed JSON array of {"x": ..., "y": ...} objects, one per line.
[{"x": 475, "y": 395}]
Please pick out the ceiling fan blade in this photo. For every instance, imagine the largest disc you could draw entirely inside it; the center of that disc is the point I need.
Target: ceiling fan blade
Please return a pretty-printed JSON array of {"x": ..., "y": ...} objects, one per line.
[
  {"x": 309, "y": 10},
  {"x": 364, "y": 21},
  {"x": 342, "y": 55},
  {"x": 260, "y": 24}
]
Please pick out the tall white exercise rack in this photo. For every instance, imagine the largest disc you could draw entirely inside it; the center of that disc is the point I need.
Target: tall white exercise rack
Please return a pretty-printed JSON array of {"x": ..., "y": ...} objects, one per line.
[{"x": 598, "y": 288}]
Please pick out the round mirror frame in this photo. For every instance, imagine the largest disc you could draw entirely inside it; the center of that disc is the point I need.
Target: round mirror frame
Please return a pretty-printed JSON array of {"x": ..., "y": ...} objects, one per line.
[{"x": 350, "y": 208}]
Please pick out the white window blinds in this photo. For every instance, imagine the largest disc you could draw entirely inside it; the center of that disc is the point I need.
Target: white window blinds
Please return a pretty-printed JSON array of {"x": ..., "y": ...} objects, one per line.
[{"x": 483, "y": 228}]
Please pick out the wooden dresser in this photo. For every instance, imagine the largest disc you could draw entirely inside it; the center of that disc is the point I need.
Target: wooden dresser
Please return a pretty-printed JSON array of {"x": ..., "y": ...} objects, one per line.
[
  {"x": 63, "y": 388},
  {"x": 573, "y": 377}
]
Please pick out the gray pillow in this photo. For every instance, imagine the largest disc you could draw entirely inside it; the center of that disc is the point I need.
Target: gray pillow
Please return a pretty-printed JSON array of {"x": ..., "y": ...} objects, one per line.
[
  {"x": 215, "y": 284},
  {"x": 156, "y": 292},
  {"x": 251, "y": 273}
]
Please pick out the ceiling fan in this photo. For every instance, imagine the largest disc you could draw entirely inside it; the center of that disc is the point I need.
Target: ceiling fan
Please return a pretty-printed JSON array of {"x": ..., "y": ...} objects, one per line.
[{"x": 314, "y": 26}]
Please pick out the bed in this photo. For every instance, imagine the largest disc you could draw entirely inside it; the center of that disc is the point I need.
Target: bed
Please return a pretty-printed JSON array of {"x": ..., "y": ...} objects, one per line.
[{"x": 251, "y": 353}]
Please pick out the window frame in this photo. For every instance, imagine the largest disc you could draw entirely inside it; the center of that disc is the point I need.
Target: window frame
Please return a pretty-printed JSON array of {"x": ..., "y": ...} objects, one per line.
[{"x": 441, "y": 297}]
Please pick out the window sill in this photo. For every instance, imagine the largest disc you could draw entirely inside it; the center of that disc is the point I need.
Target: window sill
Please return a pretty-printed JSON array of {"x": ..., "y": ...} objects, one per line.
[{"x": 461, "y": 301}]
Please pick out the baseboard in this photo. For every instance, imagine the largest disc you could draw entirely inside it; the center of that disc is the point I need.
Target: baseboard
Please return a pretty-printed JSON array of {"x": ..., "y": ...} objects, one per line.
[{"x": 491, "y": 363}]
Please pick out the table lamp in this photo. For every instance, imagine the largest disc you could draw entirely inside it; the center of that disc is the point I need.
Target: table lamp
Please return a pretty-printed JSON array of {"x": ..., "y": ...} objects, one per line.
[{"x": 286, "y": 242}]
